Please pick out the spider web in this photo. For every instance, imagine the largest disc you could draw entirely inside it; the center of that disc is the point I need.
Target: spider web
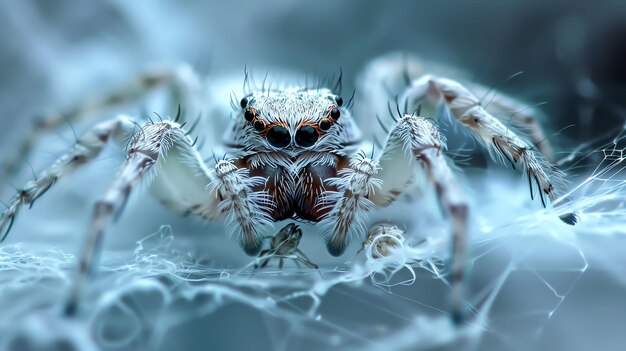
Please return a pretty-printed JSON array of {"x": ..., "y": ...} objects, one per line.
[{"x": 528, "y": 279}]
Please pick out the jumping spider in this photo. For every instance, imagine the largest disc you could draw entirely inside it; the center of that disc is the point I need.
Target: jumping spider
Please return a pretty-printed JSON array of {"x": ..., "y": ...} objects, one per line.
[{"x": 295, "y": 153}]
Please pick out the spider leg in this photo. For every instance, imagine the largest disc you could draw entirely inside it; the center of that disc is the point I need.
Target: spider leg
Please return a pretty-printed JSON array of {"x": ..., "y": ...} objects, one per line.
[
  {"x": 415, "y": 141},
  {"x": 263, "y": 259},
  {"x": 86, "y": 149},
  {"x": 503, "y": 144},
  {"x": 387, "y": 77},
  {"x": 245, "y": 208},
  {"x": 181, "y": 80},
  {"x": 516, "y": 113},
  {"x": 302, "y": 257},
  {"x": 186, "y": 185},
  {"x": 349, "y": 204},
  {"x": 296, "y": 260},
  {"x": 147, "y": 147},
  {"x": 111, "y": 203},
  {"x": 181, "y": 183}
]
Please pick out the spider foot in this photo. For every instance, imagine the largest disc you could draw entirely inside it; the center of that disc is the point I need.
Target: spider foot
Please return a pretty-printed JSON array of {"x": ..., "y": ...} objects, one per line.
[{"x": 569, "y": 218}]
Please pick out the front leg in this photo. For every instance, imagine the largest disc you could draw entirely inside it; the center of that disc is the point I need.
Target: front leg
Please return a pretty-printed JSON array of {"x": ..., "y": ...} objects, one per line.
[
  {"x": 245, "y": 209},
  {"x": 415, "y": 141},
  {"x": 349, "y": 204}
]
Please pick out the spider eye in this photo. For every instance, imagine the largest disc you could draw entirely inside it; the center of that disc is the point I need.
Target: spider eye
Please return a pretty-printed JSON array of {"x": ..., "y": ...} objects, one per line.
[
  {"x": 278, "y": 136},
  {"x": 338, "y": 100},
  {"x": 335, "y": 113},
  {"x": 325, "y": 124},
  {"x": 259, "y": 126},
  {"x": 244, "y": 102},
  {"x": 248, "y": 115},
  {"x": 306, "y": 136}
]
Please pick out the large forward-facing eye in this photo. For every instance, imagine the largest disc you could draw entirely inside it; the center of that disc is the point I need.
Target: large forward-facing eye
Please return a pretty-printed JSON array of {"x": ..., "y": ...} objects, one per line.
[
  {"x": 278, "y": 136},
  {"x": 306, "y": 136}
]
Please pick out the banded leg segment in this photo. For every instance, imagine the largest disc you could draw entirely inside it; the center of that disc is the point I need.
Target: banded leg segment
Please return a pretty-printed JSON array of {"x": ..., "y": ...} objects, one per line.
[
  {"x": 148, "y": 147},
  {"x": 503, "y": 144},
  {"x": 523, "y": 116},
  {"x": 349, "y": 204},
  {"x": 181, "y": 80},
  {"x": 416, "y": 140},
  {"x": 186, "y": 185},
  {"x": 387, "y": 77},
  {"x": 246, "y": 209},
  {"x": 87, "y": 148},
  {"x": 112, "y": 203}
]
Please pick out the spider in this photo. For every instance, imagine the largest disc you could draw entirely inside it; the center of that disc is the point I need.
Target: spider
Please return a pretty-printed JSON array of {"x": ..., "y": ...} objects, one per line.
[{"x": 296, "y": 152}]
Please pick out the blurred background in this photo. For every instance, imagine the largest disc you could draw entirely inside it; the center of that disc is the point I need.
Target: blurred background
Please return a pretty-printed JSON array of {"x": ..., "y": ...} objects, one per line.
[{"x": 56, "y": 54}]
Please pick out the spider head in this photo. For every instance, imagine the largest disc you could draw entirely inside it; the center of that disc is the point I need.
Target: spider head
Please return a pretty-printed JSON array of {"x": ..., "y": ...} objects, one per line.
[{"x": 293, "y": 118}]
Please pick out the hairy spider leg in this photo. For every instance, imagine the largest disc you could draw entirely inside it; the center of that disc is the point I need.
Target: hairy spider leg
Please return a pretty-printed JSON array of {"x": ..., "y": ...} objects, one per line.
[
  {"x": 164, "y": 153},
  {"x": 416, "y": 142},
  {"x": 503, "y": 144},
  {"x": 385, "y": 80},
  {"x": 183, "y": 87}
]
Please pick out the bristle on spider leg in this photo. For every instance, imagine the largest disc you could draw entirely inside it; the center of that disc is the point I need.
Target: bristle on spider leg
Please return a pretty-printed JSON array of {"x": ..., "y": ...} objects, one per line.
[
  {"x": 194, "y": 141},
  {"x": 194, "y": 124},
  {"x": 530, "y": 185},
  {"x": 391, "y": 112},
  {"x": 351, "y": 100},
  {"x": 400, "y": 115},
  {"x": 543, "y": 201},
  {"x": 569, "y": 218},
  {"x": 381, "y": 124},
  {"x": 178, "y": 114},
  {"x": 502, "y": 152},
  {"x": 159, "y": 116}
]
